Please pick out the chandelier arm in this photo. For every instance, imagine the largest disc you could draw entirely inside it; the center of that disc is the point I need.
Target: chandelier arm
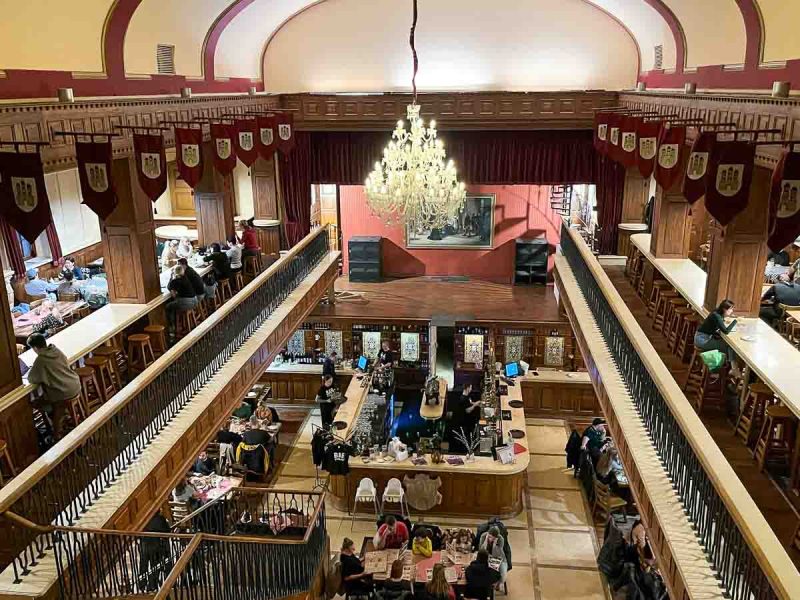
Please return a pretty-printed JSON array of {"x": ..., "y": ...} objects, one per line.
[{"x": 414, "y": 53}]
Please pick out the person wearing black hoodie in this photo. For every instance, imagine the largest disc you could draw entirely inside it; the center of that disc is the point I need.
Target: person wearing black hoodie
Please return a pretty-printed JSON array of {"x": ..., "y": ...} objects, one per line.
[{"x": 480, "y": 577}]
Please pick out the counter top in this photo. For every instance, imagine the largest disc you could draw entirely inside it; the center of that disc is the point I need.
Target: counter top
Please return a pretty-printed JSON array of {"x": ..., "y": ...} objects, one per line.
[
  {"x": 632, "y": 226},
  {"x": 563, "y": 377},
  {"x": 355, "y": 394},
  {"x": 770, "y": 356},
  {"x": 303, "y": 369}
]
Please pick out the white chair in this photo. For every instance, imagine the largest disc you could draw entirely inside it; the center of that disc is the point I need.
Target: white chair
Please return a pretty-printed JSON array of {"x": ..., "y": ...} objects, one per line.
[
  {"x": 366, "y": 493},
  {"x": 395, "y": 494}
]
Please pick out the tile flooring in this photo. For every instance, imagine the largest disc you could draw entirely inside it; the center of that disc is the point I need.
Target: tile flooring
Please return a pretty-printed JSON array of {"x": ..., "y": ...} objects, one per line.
[{"x": 554, "y": 540}]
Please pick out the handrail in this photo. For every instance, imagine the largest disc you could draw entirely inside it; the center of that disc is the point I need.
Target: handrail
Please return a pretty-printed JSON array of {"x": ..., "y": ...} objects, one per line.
[
  {"x": 772, "y": 559},
  {"x": 179, "y": 567},
  {"x": 23, "y": 482}
]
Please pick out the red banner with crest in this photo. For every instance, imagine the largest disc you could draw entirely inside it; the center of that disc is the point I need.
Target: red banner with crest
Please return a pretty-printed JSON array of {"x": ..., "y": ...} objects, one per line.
[
  {"x": 189, "y": 154},
  {"x": 94, "y": 171},
  {"x": 784, "y": 199},
  {"x": 23, "y": 196},
  {"x": 694, "y": 181},
  {"x": 222, "y": 139},
  {"x": 730, "y": 171},
  {"x": 612, "y": 145},
  {"x": 647, "y": 145},
  {"x": 600, "y": 131},
  {"x": 668, "y": 168},
  {"x": 285, "y": 130},
  {"x": 246, "y": 140},
  {"x": 627, "y": 141},
  {"x": 151, "y": 163},
  {"x": 267, "y": 135}
]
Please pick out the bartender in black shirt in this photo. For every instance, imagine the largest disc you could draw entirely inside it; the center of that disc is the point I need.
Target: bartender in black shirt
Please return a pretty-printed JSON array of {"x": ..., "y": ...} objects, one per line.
[
  {"x": 466, "y": 412},
  {"x": 385, "y": 356},
  {"x": 329, "y": 365},
  {"x": 325, "y": 402}
]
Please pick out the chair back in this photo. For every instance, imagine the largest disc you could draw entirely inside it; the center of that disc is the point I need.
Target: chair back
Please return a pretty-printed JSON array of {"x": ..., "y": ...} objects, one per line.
[
  {"x": 69, "y": 296},
  {"x": 601, "y": 493},
  {"x": 366, "y": 488},
  {"x": 394, "y": 489},
  {"x": 37, "y": 303}
]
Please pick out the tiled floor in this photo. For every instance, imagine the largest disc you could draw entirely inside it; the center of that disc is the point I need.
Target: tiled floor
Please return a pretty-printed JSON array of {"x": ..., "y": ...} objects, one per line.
[{"x": 554, "y": 543}]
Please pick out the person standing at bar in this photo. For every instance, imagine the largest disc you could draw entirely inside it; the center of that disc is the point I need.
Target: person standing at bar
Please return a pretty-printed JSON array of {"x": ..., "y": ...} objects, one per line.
[
  {"x": 325, "y": 401},
  {"x": 385, "y": 355},
  {"x": 329, "y": 366}
]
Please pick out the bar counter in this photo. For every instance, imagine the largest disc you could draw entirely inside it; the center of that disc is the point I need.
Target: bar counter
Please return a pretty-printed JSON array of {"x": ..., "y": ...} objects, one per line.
[
  {"x": 481, "y": 487},
  {"x": 294, "y": 383}
]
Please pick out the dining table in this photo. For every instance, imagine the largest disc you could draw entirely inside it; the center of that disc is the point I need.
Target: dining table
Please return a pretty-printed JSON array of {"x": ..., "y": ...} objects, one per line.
[
  {"x": 210, "y": 487},
  {"x": 416, "y": 568},
  {"x": 25, "y": 323}
]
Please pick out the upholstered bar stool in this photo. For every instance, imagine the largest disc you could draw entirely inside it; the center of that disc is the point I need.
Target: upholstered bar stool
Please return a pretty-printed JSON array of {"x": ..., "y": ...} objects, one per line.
[
  {"x": 759, "y": 395},
  {"x": 658, "y": 286},
  {"x": 226, "y": 290},
  {"x": 776, "y": 440},
  {"x": 661, "y": 308},
  {"x": 102, "y": 367},
  {"x": 185, "y": 321},
  {"x": 91, "y": 393},
  {"x": 685, "y": 343},
  {"x": 112, "y": 353},
  {"x": 140, "y": 352},
  {"x": 5, "y": 457},
  {"x": 158, "y": 339}
]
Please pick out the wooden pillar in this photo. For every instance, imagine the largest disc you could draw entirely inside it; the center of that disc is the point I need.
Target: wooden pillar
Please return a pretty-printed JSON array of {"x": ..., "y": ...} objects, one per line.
[
  {"x": 129, "y": 244},
  {"x": 739, "y": 252},
  {"x": 672, "y": 226},
  {"x": 266, "y": 207},
  {"x": 634, "y": 196},
  {"x": 10, "y": 378},
  {"x": 213, "y": 202}
]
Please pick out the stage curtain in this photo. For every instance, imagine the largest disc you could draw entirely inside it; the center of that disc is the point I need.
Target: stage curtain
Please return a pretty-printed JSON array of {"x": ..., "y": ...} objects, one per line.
[
  {"x": 296, "y": 180},
  {"x": 56, "y": 253},
  {"x": 13, "y": 249},
  {"x": 610, "y": 182}
]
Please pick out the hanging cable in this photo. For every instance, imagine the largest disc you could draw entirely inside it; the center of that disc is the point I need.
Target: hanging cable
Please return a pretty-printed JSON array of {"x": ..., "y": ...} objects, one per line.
[{"x": 414, "y": 54}]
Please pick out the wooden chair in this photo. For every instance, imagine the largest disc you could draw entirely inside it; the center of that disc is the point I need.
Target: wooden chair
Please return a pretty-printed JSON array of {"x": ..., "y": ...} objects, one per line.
[
  {"x": 69, "y": 297},
  {"x": 605, "y": 502},
  {"x": 5, "y": 457},
  {"x": 179, "y": 510},
  {"x": 796, "y": 539}
]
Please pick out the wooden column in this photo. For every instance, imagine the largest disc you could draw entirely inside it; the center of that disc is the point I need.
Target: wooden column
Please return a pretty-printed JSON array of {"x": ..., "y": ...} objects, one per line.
[
  {"x": 634, "y": 196},
  {"x": 266, "y": 207},
  {"x": 10, "y": 377},
  {"x": 739, "y": 252},
  {"x": 214, "y": 202},
  {"x": 129, "y": 244},
  {"x": 672, "y": 226}
]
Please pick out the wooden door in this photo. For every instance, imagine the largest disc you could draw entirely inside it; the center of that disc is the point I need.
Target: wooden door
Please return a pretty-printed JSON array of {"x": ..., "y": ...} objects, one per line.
[{"x": 182, "y": 194}]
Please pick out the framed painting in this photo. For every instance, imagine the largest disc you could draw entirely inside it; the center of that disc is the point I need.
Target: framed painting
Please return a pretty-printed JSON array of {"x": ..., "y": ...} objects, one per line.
[{"x": 472, "y": 228}]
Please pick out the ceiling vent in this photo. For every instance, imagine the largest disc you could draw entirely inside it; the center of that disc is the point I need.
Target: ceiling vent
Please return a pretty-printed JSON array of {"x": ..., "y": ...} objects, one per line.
[{"x": 165, "y": 59}]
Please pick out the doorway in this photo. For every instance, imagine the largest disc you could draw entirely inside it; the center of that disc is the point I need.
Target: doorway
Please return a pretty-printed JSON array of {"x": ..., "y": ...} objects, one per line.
[{"x": 445, "y": 354}]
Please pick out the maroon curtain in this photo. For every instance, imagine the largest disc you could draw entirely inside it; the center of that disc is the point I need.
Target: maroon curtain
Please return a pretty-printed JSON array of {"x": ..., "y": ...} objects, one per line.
[
  {"x": 610, "y": 183},
  {"x": 56, "y": 253},
  {"x": 296, "y": 180},
  {"x": 13, "y": 249}
]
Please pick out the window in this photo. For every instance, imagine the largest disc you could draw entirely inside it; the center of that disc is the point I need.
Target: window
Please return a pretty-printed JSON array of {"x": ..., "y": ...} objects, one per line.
[
  {"x": 165, "y": 59},
  {"x": 28, "y": 249},
  {"x": 658, "y": 57}
]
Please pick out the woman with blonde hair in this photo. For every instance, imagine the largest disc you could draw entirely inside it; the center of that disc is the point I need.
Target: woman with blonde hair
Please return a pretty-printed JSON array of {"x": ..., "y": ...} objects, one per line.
[
  {"x": 438, "y": 588},
  {"x": 395, "y": 588}
]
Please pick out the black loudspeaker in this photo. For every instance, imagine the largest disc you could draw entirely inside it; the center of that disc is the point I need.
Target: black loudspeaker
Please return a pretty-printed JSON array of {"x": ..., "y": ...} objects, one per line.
[
  {"x": 530, "y": 261},
  {"x": 364, "y": 258}
]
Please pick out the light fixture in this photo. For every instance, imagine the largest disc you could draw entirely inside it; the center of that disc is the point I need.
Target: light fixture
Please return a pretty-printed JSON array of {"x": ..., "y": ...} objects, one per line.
[{"x": 413, "y": 184}]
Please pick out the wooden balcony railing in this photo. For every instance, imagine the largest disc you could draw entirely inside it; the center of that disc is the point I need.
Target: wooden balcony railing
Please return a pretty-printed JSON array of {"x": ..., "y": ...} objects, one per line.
[
  {"x": 744, "y": 557},
  {"x": 71, "y": 477}
]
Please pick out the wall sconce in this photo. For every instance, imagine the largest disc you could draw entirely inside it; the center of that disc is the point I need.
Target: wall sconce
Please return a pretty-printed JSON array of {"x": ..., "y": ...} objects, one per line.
[
  {"x": 780, "y": 89},
  {"x": 66, "y": 95},
  {"x": 186, "y": 92},
  {"x": 690, "y": 88}
]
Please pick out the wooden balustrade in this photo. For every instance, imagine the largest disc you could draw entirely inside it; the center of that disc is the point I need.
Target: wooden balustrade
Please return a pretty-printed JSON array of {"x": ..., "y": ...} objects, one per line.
[{"x": 704, "y": 527}]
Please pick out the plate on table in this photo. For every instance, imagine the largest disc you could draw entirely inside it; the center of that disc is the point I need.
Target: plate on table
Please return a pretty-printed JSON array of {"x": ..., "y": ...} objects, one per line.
[
  {"x": 517, "y": 433},
  {"x": 515, "y": 404},
  {"x": 747, "y": 338}
]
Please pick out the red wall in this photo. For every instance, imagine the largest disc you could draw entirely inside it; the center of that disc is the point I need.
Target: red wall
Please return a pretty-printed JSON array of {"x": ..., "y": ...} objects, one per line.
[{"x": 520, "y": 211}]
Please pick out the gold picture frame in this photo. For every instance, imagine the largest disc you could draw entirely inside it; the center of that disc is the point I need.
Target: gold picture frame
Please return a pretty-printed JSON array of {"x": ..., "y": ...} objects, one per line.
[{"x": 473, "y": 229}]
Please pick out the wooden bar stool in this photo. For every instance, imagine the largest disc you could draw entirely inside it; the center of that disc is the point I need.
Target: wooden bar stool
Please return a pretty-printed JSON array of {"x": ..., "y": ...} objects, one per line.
[
  {"x": 641, "y": 279},
  {"x": 158, "y": 339},
  {"x": 632, "y": 251},
  {"x": 185, "y": 321},
  {"x": 686, "y": 336},
  {"x": 675, "y": 323},
  {"x": 712, "y": 390},
  {"x": 112, "y": 353},
  {"x": 694, "y": 381},
  {"x": 102, "y": 367},
  {"x": 661, "y": 308},
  {"x": 658, "y": 286},
  {"x": 750, "y": 420},
  {"x": 140, "y": 352},
  {"x": 92, "y": 394},
  {"x": 252, "y": 265},
  {"x": 5, "y": 457},
  {"x": 76, "y": 412},
  {"x": 238, "y": 281},
  {"x": 776, "y": 440},
  {"x": 225, "y": 287}
]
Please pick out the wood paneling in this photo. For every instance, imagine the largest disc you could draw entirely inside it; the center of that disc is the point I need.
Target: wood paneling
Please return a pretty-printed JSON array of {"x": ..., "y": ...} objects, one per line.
[
  {"x": 486, "y": 110},
  {"x": 671, "y": 225},
  {"x": 269, "y": 238},
  {"x": 634, "y": 196},
  {"x": 10, "y": 377},
  {"x": 211, "y": 221},
  {"x": 265, "y": 193},
  {"x": 298, "y": 388},
  {"x": 572, "y": 402}
]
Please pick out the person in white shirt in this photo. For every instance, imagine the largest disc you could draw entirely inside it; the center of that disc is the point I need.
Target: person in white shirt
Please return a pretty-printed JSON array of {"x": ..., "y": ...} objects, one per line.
[
  {"x": 185, "y": 248},
  {"x": 234, "y": 253}
]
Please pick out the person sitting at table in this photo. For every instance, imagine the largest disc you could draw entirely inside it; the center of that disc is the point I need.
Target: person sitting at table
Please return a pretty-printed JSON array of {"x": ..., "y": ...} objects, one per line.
[
  {"x": 438, "y": 588},
  {"x": 234, "y": 253},
  {"x": 480, "y": 577},
  {"x": 226, "y": 436},
  {"x": 780, "y": 293},
  {"x": 395, "y": 587},
  {"x": 37, "y": 287},
  {"x": 220, "y": 261},
  {"x": 594, "y": 437},
  {"x": 263, "y": 413},
  {"x": 59, "y": 382},
  {"x": 169, "y": 256},
  {"x": 200, "y": 287},
  {"x": 249, "y": 239},
  {"x": 205, "y": 465},
  {"x": 391, "y": 535},
  {"x": 183, "y": 295},
  {"x": 50, "y": 318},
  {"x": 355, "y": 580},
  {"x": 494, "y": 544},
  {"x": 71, "y": 268},
  {"x": 708, "y": 337},
  {"x": 254, "y": 453},
  {"x": 422, "y": 543},
  {"x": 67, "y": 286},
  {"x": 245, "y": 411},
  {"x": 184, "y": 492},
  {"x": 185, "y": 248}
]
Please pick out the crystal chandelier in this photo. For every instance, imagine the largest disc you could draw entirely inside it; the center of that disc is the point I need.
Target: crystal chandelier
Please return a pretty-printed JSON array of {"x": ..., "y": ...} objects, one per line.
[{"x": 413, "y": 184}]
